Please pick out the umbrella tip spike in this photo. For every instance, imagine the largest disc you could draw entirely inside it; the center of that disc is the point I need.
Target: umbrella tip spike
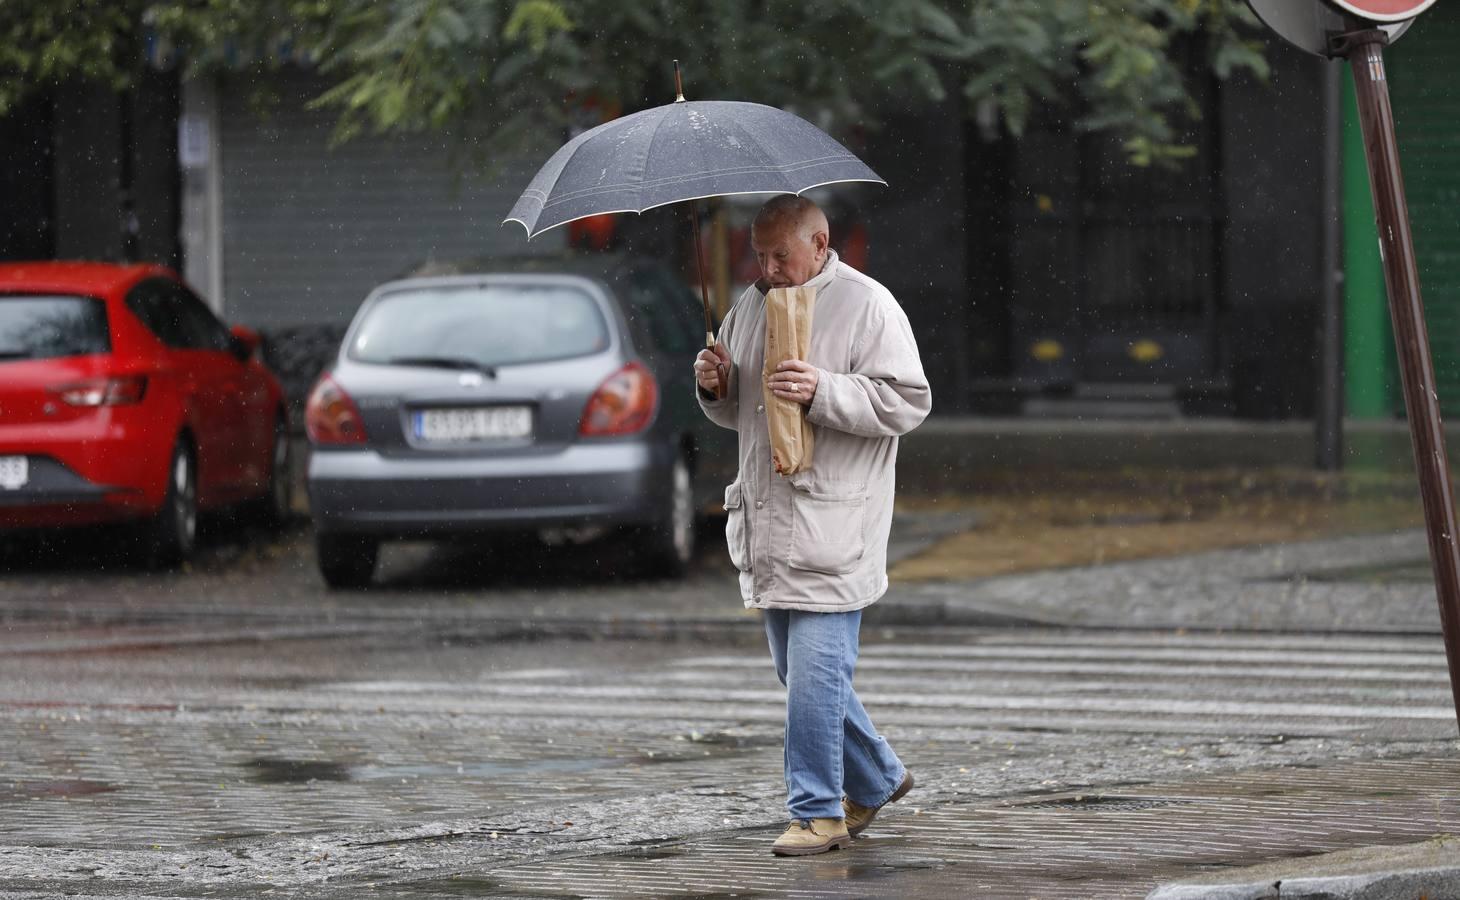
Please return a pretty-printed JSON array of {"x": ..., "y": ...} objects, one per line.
[{"x": 678, "y": 85}]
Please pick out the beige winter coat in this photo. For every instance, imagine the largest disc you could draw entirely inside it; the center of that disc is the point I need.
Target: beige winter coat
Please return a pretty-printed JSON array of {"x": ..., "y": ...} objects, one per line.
[{"x": 818, "y": 539}]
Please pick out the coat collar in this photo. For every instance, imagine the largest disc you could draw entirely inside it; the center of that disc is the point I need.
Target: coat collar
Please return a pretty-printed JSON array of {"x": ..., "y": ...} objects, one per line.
[
  {"x": 828, "y": 271},
  {"x": 817, "y": 282}
]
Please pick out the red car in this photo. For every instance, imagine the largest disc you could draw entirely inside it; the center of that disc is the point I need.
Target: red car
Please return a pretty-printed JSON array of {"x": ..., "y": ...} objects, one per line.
[{"x": 122, "y": 397}]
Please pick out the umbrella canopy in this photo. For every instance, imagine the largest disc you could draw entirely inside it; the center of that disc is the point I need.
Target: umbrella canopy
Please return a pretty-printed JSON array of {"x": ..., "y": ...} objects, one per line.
[{"x": 684, "y": 150}]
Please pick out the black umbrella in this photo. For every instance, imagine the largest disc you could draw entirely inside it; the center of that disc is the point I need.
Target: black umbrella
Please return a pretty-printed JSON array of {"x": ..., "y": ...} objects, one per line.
[{"x": 683, "y": 151}]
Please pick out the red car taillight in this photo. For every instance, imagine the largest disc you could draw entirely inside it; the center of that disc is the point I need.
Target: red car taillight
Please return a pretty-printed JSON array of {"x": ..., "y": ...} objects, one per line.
[
  {"x": 120, "y": 391},
  {"x": 331, "y": 417},
  {"x": 623, "y": 404}
]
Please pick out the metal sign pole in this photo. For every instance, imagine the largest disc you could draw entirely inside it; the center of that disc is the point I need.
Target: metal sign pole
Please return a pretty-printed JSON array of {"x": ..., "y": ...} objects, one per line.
[{"x": 1365, "y": 53}]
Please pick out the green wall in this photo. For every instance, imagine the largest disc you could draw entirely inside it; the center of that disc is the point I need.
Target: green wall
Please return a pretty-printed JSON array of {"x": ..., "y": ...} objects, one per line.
[
  {"x": 1427, "y": 114},
  {"x": 1370, "y": 373}
]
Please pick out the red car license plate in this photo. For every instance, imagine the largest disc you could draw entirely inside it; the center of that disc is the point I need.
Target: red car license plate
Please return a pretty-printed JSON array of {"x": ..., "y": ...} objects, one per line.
[{"x": 14, "y": 472}]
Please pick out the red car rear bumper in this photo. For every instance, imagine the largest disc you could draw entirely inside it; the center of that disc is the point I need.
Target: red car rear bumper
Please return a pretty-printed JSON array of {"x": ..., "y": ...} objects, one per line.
[{"x": 103, "y": 468}]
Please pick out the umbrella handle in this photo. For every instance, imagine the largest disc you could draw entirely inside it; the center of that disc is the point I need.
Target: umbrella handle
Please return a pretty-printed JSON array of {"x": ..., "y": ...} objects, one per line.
[{"x": 722, "y": 371}]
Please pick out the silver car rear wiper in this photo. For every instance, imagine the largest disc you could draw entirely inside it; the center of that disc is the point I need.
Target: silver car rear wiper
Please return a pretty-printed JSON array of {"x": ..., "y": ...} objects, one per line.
[{"x": 444, "y": 362}]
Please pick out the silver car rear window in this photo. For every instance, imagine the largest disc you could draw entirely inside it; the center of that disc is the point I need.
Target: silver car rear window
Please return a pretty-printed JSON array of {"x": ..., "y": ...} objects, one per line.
[
  {"x": 50, "y": 326},
  {"x": 493, "y": 325}
]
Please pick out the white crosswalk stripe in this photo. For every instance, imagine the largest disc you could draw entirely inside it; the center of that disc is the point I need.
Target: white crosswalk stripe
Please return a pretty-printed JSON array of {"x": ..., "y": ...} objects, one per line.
[{"x": 1111, "y": 681}]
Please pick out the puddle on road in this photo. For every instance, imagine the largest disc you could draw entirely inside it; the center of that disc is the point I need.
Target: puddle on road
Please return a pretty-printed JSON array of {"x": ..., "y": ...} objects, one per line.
[
  {"x": 1100, "y": 802},
  {"x": 277, "y": 770},
  {"x": 697, "y": 746},
  {"x": 274, "y": 770},
  {"x": 485, "y": 769},
  {"x": 654, "y": 853},
  {"x": 231, "y": 837},
  {"x": 455, "y": 886},
  {"x": 692, "y": 747},
  {"x": 52, "y": 790},
  {"x": 734, "y": 739},
  {"x": 829, "y": 869}
]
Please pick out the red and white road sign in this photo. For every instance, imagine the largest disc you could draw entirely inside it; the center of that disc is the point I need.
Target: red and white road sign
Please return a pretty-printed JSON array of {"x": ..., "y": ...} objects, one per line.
[{"x": 1384, "y": 10}]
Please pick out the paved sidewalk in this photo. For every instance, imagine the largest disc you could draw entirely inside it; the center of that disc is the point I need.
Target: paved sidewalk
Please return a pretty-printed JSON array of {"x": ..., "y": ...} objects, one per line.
[
  {"x": 1368, "y": 583},
  {"x": 948, "y": 452}
]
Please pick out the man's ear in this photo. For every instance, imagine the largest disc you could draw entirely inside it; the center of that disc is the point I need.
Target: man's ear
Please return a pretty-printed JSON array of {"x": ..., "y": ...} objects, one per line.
[{"x": 820, "y": 241}]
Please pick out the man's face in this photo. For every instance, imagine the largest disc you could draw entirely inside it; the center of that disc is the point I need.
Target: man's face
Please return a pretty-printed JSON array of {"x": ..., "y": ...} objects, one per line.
[{"x": 786, "y": 257}]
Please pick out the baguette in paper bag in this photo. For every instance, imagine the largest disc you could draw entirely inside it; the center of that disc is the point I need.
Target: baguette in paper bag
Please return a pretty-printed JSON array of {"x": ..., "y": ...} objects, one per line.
[{"x": 787, "y": 336}]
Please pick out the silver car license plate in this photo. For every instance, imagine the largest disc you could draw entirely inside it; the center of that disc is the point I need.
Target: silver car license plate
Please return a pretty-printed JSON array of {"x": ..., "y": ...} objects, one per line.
[
  {"x": 14, "y": 472},
  {"x": 481, "y": 423}
]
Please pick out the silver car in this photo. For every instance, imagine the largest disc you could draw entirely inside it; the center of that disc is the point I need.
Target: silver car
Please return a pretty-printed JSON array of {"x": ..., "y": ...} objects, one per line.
[{"x": 550, "y": 396}]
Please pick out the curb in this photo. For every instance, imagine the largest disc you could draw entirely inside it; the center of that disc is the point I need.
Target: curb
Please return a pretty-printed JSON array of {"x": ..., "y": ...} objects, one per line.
[
  {"x": 1400, "y": 872},
  {"x": 1409, "y": 885}
]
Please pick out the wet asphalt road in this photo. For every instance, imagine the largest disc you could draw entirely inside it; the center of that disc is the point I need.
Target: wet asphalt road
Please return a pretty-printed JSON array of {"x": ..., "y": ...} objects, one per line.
[
  {"x": 484, "y": 721},
  {"x": 244, "y": 575}
]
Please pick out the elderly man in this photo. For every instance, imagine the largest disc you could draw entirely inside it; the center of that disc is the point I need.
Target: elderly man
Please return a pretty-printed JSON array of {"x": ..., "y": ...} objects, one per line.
[{"x": 811, "y": 548}]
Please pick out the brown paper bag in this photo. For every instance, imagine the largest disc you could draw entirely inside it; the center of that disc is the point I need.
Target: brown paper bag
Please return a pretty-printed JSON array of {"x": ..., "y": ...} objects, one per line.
[{"x": 787, "y": 336}]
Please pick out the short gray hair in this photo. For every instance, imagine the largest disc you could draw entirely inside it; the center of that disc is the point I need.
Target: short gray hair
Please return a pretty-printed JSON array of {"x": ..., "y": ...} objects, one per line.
[{"x": 790, "y": 209}]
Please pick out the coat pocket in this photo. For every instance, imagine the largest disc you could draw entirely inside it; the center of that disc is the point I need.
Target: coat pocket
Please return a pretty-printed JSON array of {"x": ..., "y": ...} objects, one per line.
[
  {"x": 737, "y": 537},
  {"x": 826, "y": 531}
]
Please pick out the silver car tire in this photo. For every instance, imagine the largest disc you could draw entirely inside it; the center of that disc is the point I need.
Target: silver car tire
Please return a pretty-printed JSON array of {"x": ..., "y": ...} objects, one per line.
[
  {"x": 670, "y": 542},
  {"x": 346, "y": 560}
]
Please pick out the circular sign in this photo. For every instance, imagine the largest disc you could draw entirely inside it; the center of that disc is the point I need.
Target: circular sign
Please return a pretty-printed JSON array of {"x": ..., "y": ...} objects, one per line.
[
  {"x": 1384, "y": 10},
  {"x": 1310, "y": 24}
]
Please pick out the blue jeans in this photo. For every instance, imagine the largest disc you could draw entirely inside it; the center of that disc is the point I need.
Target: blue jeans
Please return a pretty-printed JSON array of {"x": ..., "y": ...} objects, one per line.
[{"x": 831, "y": 746}]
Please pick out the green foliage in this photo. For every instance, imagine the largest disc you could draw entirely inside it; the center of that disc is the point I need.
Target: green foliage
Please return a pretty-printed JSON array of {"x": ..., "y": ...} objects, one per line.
[
  {"x": 1118, "y": 65},
  {"x": 501, "y": 72},
  {"x": 44, "y": 42}
]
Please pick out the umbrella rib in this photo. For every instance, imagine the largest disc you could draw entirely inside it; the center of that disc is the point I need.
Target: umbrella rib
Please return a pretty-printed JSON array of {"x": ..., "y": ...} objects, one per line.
[
  {"x": 648, "y": 153},
  {"x": 736, "y": 170},
  {"x": 747, "y": 193},
  {"x": 754, "y": 142},
  {"x": 567, "y": 162},
  {"x": 580, "y": 142},
  {"x": 573, "y": 147}
]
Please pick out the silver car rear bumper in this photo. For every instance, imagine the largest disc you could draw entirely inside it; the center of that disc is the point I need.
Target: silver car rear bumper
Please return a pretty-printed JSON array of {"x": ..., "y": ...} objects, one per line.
[{"x": 608, "y": 483}]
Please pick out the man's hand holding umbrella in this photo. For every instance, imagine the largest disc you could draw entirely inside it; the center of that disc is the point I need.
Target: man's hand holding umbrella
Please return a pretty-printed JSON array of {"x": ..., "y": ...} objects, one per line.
[{"x": 712, "y": 369}]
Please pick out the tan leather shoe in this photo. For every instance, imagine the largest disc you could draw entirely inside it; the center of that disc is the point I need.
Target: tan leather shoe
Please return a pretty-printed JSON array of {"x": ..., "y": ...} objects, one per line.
[
  {"x": 803, "y": 838},
  {"x": 858, "y": 817}
]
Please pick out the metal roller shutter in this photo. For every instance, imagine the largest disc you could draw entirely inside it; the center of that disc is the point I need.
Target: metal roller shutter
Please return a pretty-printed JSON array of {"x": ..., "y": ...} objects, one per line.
[{"x": 309, "y": 229}]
